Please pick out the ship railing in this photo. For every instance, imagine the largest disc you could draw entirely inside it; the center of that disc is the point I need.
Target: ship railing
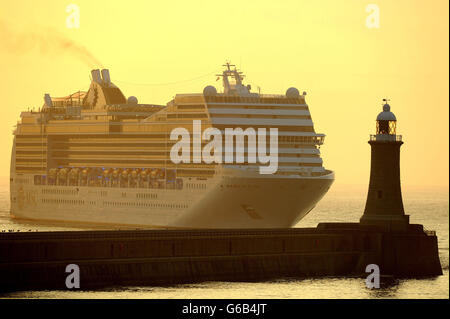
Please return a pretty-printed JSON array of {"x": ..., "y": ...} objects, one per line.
[
  {"x": 316, "y": 140},
  {"x": 58, "y": 179},
  {"x": 273, "y": 96},
  {"x": 66, "y": 103},
  {"x": 262, "y": 98},
  {"x": 385, "y": 138}
]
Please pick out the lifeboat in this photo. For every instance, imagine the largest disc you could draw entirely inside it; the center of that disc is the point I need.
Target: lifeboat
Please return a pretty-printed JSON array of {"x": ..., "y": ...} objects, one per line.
[{"x": 73, "y": 176}]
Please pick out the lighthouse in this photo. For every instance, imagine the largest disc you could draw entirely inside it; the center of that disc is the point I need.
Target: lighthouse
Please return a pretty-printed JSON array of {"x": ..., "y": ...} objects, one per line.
[{"x": 384, "y": 205}]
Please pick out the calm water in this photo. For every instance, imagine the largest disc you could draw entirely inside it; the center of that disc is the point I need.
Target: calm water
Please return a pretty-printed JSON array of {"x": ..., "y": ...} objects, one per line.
[{"x": 429, "y": 207}]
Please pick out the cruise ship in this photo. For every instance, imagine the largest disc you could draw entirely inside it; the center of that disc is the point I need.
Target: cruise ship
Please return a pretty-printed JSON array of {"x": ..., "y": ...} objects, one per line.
[{"x": 99, "y": 158}]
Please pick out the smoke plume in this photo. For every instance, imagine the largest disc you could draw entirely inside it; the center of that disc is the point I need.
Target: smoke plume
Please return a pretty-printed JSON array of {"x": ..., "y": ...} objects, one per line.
[{"x": 47, "y": 42}]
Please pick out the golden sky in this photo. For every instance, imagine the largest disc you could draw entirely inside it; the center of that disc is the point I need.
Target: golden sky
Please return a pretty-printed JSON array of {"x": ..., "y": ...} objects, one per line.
[{"x": 321, "y": 47}]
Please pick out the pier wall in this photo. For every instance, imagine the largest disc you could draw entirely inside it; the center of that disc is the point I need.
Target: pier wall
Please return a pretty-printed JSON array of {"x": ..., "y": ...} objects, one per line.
[{"x": 158, "y": 257}]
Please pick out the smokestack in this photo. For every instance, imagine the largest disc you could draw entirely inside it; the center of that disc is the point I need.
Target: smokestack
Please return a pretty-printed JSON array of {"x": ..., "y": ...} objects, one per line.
[
  {"x": 48, "y": 100},
  {"x": 106, "y": 77},
  {"x": 96, "y": 76}
]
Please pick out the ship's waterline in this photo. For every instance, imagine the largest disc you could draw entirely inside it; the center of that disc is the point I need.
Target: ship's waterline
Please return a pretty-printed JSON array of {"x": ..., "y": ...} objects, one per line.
[{"x": 96, "y": 157}]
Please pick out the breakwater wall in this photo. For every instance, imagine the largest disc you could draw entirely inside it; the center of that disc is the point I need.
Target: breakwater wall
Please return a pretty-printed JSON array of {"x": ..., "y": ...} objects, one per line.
[{"x": 37, "y": 260}]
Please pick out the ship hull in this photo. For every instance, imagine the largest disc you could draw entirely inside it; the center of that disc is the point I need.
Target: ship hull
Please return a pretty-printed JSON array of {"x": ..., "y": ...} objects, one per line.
[{"x": 224, "y": 201}]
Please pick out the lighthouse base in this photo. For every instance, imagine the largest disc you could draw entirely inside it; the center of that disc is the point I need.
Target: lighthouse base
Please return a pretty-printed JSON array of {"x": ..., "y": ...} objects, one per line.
[{"x": 387, "y": 222}]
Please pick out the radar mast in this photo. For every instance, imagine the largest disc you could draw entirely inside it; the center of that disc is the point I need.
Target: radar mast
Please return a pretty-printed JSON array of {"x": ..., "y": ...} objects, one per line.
[{"x": 235, "y": 87}]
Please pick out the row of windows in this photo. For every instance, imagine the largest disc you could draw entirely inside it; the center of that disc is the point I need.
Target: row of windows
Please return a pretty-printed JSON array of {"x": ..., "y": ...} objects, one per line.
[
  {"x": 262, "y": 100},
  {"x": 300, "y": 164},
  {"x": 196, "y": 186},
  {"x": 297, "y": 155},
  {"x": 113, "y": 204},
  {"x": 190, "y": 107},
  {"x": 59, "y": 191},
  {"x": 186, "y": 116},
  {"x": 260, "y": 116},
  {"x": 22, "y": 180},
  {"x": 301, "y": 139},
  {"x": 31, "y": 161},
  {"x": 63, "y": 201},
  {"x": 38, "y": 145},
  {"x": 281, "y": 128},
  {"x": 107, "y": 181},
  {"x": 152, "y": 196},
  {"x": 29, "y": 169},
  {"x": 31, "y": 152},
  {"x": 257, "y": 106},
  {"x": 139, "y": 204},
  {"x": 33, "y": 139},
  {"x": 280, "y": 164},
  {"x": 101, "y": 193}
]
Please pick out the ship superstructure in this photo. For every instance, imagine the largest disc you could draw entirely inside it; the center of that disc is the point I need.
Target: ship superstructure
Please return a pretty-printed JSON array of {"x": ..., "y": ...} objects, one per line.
[{"x": 98, "y": 157}]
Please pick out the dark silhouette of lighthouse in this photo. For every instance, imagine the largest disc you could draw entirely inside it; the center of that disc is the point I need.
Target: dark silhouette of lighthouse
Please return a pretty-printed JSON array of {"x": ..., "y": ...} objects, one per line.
[{"x": 384, "y": 205}]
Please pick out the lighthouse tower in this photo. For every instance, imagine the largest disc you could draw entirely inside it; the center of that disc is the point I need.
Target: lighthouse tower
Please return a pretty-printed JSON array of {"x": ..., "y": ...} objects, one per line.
[{"x": 384, "y": 205}]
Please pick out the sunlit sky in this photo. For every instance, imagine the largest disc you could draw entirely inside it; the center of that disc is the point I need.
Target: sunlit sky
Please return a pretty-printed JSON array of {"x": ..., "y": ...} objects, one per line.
[{"x": 321, "y": 47}]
